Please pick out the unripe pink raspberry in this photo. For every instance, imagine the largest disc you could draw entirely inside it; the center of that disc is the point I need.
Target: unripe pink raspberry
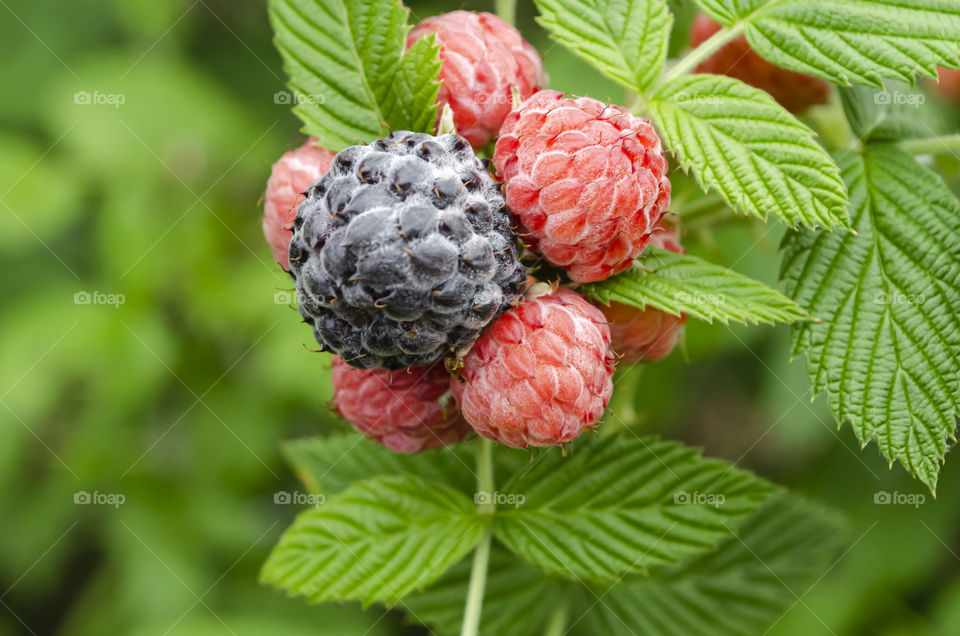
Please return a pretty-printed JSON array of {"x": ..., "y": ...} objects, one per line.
[
  {"x": 290, "y": 177},
  {"x": 484, "y": 58},
  {"x": 541, "y": 374},
  {"x": 586, "y": 180},
  {"x": 795, "y": 91},
  {"x": 639, "y": 335},
  {"x": 404, "y": 410}
]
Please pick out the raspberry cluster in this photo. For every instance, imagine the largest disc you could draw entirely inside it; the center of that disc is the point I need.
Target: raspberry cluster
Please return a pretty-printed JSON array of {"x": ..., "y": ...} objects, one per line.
[{"x": 405, "y": 253}]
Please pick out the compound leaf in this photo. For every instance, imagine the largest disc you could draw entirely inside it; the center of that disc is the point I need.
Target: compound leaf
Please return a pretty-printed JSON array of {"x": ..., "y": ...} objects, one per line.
[{"x": 888, "y": 350}]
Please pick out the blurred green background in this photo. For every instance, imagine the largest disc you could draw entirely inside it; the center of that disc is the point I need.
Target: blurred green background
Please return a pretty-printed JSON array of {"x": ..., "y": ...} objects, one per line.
[{"x": 149, "y": 354}]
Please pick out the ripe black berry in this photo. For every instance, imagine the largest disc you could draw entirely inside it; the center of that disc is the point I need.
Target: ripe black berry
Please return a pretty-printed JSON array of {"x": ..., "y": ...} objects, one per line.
[{"x": 403, "y": 251}]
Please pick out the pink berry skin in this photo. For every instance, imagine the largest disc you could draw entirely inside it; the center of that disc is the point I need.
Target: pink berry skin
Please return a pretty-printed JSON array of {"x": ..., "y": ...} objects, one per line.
[
  {"x": 290, "y": 177},
  {"x": 587, "y": 181},
  {"x": 402, "y": 410},
  {"x": 645, "y": 335},
  {"x": 484, "y": 59},
  {"x": 540, "y": 375}
]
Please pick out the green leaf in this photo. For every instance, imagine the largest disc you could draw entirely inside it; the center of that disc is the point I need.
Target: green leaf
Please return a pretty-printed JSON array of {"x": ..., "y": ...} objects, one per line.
[
  {"x": 849, "y": 41},
  {"x": 739, "y": 141},
  {"x": 684, "y": 284},
  {"x": 888, "y": 115},
  {"x": 377, "y": 541},
  {"x": 742, "y": 587},
  {"x": 327, "y": 465},
  {"x": 517, "y": 600},
  {"x": 625, "y": 39},
  {"x": 348, "y": 70},
  {"x": 888, "y": 350},
  {"x": 622, "y": 504}
]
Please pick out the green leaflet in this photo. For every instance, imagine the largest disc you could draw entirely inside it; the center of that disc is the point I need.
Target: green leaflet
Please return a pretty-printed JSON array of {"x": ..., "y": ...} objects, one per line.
[
  {"x": 741, "y": 588},
  {"x": 348, "y": 70},
  {"x": 888, "y": 350},
  {"x": 846, "y": 41},
  {"x": 625, "y": 39},
  {"x": 378, "y": 540},
  {"x": 760, "y": 158},
  {"x": 684, "y": 284},
  {"x": 622, "y": 504}
]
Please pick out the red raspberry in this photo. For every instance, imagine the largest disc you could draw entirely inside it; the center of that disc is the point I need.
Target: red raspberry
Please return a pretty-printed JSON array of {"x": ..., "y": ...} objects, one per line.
[
  {"x": 948, "y": 84},
  {"x": 541, "y": 374},
  {"x": 646, "y": 334},
  {"x": 290, "y": 177},
  {"x": 642, "y": 334},
  {"x": 484, "y": 58},
  {"x": 587, "y": 181},
  {"x": 795, "y": 91},
  {"x": 403, "y": 410}
]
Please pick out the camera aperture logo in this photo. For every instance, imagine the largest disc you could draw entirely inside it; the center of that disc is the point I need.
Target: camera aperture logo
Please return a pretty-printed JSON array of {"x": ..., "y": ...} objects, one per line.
[
  {"x": 683, "y": 498},
  {"x": 484, "y": 498},
  {"x": 884, "y": 498},
  {"x": 297, "y": 498},
  {"x": 97, "y": 498}
]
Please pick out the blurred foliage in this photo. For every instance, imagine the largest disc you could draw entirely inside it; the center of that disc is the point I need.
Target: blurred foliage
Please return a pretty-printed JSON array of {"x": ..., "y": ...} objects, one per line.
[{"x": 178, "y": 397}]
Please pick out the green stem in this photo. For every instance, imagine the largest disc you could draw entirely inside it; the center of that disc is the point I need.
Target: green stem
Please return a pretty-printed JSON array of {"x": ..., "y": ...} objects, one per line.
[
  {"x": 507, "y": 10},
  {"x": 558, "y": 621},
  {"x": 481, "y": 556},
  {"x": 933, "y": 145},
  {"x": 705, "y": 50}
]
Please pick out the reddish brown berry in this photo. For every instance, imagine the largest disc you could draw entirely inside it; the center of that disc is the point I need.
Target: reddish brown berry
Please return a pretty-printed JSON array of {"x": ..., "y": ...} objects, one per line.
[
  {"x": 795, "y": 91},
  {"x": 407, "y": 411},
  {"x": 649, "y": 334},
  {"x": 290, "y": 177}
]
